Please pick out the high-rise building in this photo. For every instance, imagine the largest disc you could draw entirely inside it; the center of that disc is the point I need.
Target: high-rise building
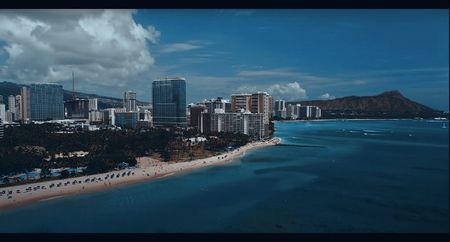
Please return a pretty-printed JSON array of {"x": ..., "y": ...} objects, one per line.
[
  {"x": 109, "y": 116},
  {"x": 19, "y": 108},
  {"x": 46, "y": 102},
  {"x": 290, "y": 109},
  {"x": 1, "y": 129},
  {"x": 169, "y": 102},
  {"x": 315, "y": 112},
  {"x": 12, "y": 104},
  {"x": 205, "y": 122},
  {"x": 9, "y": 116},
  {"x": 77, "y": 109},
  {"x": 280, "y": 108},
  {"x": 304, "y": 112},
  {"x": 25, "y": 106},
  {"x": 126, "y": 120},
  {"x": 215, "y": 104},
  {"x": 95, "y": 117},
  {"x": 297, "y": 110},
  {"x": 309, "y": 112},
  {"x": 262, "y": 103},
  {"x": 241, "y": 101},
  {"x": 239, "y": 122},
  {"x": 270, "y": 106},
  {"x": 145, "y": 113},
  {"x": 227, "y": 106},
  {"x": 294, "y": 111},
  {"x": 93, "y": 104},
  {"x": 195, "y": 114},
  {"x": 145, "y": 119},
  {"x": 3, "y": 112},
  {"x": 129, "y": 101}
]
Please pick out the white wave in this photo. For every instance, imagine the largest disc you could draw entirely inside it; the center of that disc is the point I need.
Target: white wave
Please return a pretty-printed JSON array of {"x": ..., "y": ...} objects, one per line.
[
  {"x": 371, "y": 134},
  {"x": 372, "y": 131}
]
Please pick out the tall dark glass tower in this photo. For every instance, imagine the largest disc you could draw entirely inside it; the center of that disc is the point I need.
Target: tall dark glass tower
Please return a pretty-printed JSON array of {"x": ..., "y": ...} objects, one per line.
[
  {"x": 46, "y": 101},
  {"x": 169, "y": 102}
]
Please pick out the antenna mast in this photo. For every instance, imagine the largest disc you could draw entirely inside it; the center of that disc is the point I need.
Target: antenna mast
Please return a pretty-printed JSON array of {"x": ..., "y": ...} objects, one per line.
[{"x": 73, "y": 86}]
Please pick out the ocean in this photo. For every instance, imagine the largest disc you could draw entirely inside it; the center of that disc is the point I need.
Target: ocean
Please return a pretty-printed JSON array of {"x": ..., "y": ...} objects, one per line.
[{"x": 327, "y": 176}]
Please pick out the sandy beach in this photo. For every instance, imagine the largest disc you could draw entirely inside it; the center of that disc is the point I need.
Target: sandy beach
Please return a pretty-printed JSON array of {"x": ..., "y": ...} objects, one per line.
[{"x": 148, "y": 168}]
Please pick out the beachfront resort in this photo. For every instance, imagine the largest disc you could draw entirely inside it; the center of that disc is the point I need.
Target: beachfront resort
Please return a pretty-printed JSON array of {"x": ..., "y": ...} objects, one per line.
[{"x": 84, "y": 148}]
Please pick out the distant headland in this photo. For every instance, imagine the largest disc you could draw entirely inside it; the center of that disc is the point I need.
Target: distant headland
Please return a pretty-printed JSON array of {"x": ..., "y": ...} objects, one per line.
[{"x": 390, "y": 104}]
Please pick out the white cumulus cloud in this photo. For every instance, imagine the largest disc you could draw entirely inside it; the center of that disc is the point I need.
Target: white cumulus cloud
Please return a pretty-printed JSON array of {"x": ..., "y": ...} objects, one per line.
[
  {"x": 178, "y": 47},
  {"x": 103, "y": 47},
  {"x": 326, "y": 96},
  {"x": 289, "y": 91}
]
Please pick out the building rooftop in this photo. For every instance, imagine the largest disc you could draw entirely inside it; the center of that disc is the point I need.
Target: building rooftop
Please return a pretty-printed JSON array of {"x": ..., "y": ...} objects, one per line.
[
  {"x": 241, "y": 94},
  {"x": 45, "y": 83},
  {"x": 172, "y": 78},
  {"x": 259, "y": 92}
]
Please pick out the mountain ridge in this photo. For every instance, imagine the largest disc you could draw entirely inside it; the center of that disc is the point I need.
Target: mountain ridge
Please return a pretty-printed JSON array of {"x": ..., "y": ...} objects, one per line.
[{"x": 389, "y": 104}]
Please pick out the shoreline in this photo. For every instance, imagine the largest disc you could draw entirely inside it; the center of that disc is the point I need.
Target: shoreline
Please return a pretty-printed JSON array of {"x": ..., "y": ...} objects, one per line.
[{"x": 149, "y": 169}]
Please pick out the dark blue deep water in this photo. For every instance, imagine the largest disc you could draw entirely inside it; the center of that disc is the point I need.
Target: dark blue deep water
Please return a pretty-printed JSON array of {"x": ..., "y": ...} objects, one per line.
[{"x": 343, "y": 176}]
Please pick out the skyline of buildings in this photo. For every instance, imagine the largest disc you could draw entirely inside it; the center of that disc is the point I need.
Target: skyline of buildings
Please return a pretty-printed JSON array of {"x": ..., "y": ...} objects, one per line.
[
  {"x": 302, "y": 111},
  {"x": 246, "y": 113},
  {"x": 237, "y": 116}
]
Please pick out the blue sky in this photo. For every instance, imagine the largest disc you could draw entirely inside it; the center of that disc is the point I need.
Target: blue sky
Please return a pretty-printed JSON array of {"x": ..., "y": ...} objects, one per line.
[{"x": 294, "y": 54}]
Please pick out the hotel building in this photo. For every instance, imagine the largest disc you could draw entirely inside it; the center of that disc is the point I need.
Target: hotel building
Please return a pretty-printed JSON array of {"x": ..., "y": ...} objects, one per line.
[
  {"x": 280, "y": 108},
  {"x": 169, "y": 102},
  {"x": 25, "y": 104},
  {"x": 251, "y": 124},
  {"x": 46, "y": 102},
  {"x": 241, "y": 101},
  {"x": 129, "y": 101},
  {"x": 262, "y": 103}
]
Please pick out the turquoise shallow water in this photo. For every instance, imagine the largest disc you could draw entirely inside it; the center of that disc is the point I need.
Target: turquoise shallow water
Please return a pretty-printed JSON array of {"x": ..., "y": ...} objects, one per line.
[{"x": 340, "y": 176}]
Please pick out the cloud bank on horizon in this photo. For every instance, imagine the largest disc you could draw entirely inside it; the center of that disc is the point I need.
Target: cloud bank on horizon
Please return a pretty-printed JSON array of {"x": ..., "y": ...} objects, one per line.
[{"x": 317, "y": 54}]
